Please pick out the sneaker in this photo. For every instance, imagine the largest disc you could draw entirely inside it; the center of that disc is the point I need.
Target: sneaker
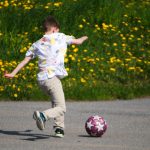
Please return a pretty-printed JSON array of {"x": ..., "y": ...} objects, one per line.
[
  {"x": 40, "y": 119},
  {"x": 59, "y": 132}
]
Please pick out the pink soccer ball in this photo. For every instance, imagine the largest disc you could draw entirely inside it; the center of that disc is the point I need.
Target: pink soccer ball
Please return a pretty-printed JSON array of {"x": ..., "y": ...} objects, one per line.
[{"x": 96, "y": 126}]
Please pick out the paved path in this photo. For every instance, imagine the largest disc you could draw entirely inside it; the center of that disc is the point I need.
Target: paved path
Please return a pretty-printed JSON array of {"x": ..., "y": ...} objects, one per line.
[{"x": 128, "y": 126}]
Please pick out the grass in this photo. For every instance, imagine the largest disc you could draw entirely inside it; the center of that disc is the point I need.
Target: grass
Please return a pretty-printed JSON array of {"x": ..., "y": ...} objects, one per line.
[{"x": 113, "y": 64}]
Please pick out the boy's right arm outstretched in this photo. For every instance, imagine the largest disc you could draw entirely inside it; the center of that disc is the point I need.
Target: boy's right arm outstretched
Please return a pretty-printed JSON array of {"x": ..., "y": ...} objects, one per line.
[{"x": 19, "y": 67}]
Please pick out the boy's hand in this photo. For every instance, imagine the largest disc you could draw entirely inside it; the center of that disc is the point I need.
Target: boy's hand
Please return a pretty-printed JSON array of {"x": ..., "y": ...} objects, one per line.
[
  {"x": 19, "y": 67},
  {"x": 84, "y": 38},
  {"x": 9, "y": 75},
  {"x": 79, "y": 40}
]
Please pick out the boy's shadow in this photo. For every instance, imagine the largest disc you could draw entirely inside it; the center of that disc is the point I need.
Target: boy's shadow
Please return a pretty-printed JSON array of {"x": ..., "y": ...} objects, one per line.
[{"x": 26, "y": 133}]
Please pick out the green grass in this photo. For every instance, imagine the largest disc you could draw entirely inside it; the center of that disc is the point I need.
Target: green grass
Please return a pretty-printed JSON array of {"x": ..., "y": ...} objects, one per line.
[{"x": 113, "y": 64}]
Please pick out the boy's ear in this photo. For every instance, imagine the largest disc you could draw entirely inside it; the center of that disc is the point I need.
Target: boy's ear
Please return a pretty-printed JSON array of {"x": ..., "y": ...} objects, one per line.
[
  {"x": 54, "y": 29},
  {"x": 57, "y": 29}
]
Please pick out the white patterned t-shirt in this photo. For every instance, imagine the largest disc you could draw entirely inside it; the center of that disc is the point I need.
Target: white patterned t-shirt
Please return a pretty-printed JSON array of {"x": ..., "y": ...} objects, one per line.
[{"x": 50, "y": 50}]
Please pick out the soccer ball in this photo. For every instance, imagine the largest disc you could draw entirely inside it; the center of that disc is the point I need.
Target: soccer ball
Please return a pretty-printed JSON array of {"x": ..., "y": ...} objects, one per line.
[{"x": 96, "y": 126}]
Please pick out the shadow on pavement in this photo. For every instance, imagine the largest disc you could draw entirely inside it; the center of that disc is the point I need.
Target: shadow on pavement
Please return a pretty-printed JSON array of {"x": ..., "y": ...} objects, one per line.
[
  {"x": 26, "y": 133},
  {"x": 88, "y": 136}
]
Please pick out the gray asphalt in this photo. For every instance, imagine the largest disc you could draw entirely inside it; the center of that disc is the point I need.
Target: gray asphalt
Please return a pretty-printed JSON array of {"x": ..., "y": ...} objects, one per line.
[{"x": 128, "y": 126}]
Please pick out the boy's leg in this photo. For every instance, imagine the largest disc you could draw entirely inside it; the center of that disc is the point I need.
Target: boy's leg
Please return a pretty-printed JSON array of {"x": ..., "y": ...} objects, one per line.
[
  {"x": 58, "y": 121},
  {"x": 54, "y": 88}
]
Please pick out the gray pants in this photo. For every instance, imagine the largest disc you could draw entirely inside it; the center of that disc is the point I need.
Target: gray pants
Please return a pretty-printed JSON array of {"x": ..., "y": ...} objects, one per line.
[{"x": 54, "y": 88}]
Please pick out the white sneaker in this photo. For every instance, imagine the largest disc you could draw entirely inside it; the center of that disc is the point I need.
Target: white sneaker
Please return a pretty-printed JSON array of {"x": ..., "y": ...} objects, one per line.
[{"x": 40, "y": 119}]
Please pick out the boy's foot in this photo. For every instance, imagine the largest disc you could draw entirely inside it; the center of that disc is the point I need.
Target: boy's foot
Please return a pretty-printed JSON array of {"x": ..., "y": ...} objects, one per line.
[
  {"x": 59, "y": 132},
  {"x": 40, "y": 119}
]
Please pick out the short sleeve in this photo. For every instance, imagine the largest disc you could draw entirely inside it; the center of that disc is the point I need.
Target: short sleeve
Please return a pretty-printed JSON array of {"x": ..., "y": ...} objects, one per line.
[
  {"x": 69, "y": 39},
  {"x": 31, "y": 52}
]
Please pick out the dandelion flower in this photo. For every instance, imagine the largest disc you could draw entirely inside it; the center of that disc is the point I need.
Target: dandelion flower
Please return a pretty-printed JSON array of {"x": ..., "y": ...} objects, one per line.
[
  {"x": 15, "y": 95},
  {"x": 83, "y": 80},
  {"x": 115, "y": 44},
  {"x": 81, "y": 26}
]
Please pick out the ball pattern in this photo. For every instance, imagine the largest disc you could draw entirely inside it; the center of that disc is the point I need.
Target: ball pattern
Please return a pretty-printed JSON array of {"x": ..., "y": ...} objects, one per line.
[{"x": 96, "y": 126}]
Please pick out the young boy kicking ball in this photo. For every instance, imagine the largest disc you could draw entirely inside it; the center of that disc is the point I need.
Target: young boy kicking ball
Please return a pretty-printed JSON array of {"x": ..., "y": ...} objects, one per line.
[{"x": 50, "y": 50}]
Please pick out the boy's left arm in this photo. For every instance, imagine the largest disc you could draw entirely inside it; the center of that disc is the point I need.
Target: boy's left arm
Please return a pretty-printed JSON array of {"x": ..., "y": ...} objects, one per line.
[{"x": 18, "y": 68}]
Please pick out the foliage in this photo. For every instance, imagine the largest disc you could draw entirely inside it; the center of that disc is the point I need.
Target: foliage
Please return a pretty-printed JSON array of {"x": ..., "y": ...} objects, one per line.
[{"x": 113, "y": 63}]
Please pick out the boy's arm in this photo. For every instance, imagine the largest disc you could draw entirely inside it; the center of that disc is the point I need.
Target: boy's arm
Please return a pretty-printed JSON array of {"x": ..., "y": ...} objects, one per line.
[
  {"x": 19, "y": 67},
  {"x": 79, "y": 40}
]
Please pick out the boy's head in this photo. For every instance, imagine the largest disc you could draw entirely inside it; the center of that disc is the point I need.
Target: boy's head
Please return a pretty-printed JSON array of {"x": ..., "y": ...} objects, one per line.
[{"x": 50, "y": 24}]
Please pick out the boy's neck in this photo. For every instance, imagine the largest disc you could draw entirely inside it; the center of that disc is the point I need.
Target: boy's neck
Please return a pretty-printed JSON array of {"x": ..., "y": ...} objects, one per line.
[
  {"x": 52, "y": 31},
  {"x": 49, "y": 32}
]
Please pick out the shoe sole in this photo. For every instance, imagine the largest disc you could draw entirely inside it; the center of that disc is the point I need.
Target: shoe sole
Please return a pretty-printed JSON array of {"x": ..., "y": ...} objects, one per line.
[
  {"x": 59, "y": 135},
  {"x": 39, "y": 121}
]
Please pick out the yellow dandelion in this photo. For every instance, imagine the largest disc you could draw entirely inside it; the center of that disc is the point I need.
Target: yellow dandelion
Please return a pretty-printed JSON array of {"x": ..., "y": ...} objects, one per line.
[
  {"x": 139, "y": 60},
  {"x": 112, "y": 69},
  {"x": 70, "y": 56},
  {"x": 97, "y": 59},
  {"x": 105, "y": 26},
  {"x": 84, "y": 20},
  {"x": 46, "y": 7},
  {"x": 13, "y": 86},
  {"x": 131, "y": 68},
  {"x": 123, "y": 38},
  {"x": 112, "y": 59},
  {"x": 66, "y": 60},
  {"x": 130, "y": 38},
  {"x": 135, "y": 28},
  {"x": 115, "y": 44},
  {"x": 1, "y": 88},
  {"x": 129, "y": 53},
  {"x": 81, "y": 26},
  {"x": 125, "y": 15},
  {"x": 82, "y": 69},
  {"x": 31, "y": 64},
  {"x": 85, "y": 50},
  {"x": 73, "y": 46},
  {"x": 26, "y": 33},
  {"x": 123, "y": 45},
  {"x": 91, "y": 70},
  {"x": 96, "y": 26},
  {"x": 73, "y": 58},
  {"x": 141, "y": 70},
  {"x": 118, "y": 60},
  {"x": 15, "y": 95},
  {"x": 83, "y": 80},
  {"x": 67, "y": 69},
  {"x": 1, "y": 63},
  {"x": 132, "y": 35},
  {"x": 128, "y": 59},
  {"x": 110, "y": 25},
  {"x": 121, "y": 35},
  {"x": 75, "y": 50},
  {"x": 30, "y": 86}
]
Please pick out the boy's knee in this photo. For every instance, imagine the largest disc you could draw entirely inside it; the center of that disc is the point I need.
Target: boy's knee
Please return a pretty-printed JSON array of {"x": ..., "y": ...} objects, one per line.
[{"x": 63, "y": 109}]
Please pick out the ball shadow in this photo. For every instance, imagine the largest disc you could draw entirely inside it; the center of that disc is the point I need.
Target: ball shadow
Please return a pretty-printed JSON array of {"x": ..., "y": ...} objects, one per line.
[{"x": 88, "y": 136}]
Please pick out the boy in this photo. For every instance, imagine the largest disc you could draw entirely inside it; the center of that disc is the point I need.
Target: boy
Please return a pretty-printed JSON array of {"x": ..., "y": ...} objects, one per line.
[{"x": 50, "y": 50}]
